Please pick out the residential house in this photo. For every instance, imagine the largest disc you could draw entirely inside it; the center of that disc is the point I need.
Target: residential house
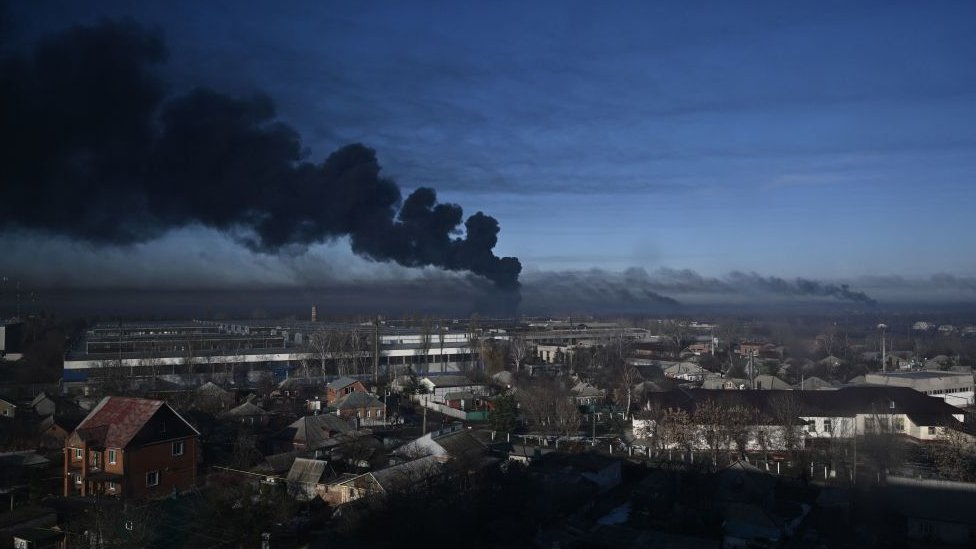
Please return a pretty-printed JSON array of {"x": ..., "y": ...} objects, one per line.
[
  {"x": 814, "y": 383},
  {"x": 935, "y": 513},
  {"x": 362, "y": 406},
  {"x": 131, "y": 447},
  {"x": 585, "y": 394},
  {"x": 55, "y": 430},
  {"x": 439, "y": 386},
  {"x": 311, "y": 433},
  {"x": 341, "y": 387},
  {"x": 213, "y": 397},
  {"x": 247, "y": 413},
  {"x": 604, "y": 472},
  {"x": 832, "y": 362},
  {"x": 767, "y": 382},
  {"x": 43, "y": 405},
  {"x": 38, "y": 538},
  {"x": 300, "y": 388},
  {"x": 686, "y": 371},
  {"x": 307, "y": 478},
  {"x": 719, "y": 381},
  {"x": 468, "y": 402},
  {"x": 17, "y": 470},
  {"x": 8, "y": 407},
  {"x": 453, "y": 442},
  {"x": 403, "y": 477}
]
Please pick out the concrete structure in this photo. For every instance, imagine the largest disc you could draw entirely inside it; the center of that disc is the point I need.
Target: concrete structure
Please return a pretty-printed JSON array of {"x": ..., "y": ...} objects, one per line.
[
  {"x": 241, "y": 353},
  {"x": 11, "y": 336},
  {"x": 845, "y": 413},
  {"x": 955, "y": 388}
]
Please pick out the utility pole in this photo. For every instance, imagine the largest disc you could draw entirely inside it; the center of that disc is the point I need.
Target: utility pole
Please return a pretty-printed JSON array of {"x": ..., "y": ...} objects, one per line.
[
  {"x": 593, "y": 415},
  {"x": 884, "y": 351},
  {"x": 376, "y": 348},
  {"x": 424, "y": 431}
]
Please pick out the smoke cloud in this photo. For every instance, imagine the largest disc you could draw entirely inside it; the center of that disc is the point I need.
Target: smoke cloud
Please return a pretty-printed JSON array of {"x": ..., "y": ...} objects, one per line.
[
  {"x": 93, "y": 149},
  {"x": 669, "y": 286}
]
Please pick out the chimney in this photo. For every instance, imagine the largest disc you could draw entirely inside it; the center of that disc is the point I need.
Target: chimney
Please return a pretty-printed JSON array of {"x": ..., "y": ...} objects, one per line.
[{"x": 315, "y": 313}]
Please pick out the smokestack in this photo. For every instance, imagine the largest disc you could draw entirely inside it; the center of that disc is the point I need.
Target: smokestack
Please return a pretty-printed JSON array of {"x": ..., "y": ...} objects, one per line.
[{"x": 315, "y": 313}]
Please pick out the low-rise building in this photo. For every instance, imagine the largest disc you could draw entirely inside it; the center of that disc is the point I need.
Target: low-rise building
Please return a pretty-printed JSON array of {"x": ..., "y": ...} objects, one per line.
[
  {"x": 131, "y": 447},
  {"x": 955, "y": 388},
  {"x": 341, "y": 387}
]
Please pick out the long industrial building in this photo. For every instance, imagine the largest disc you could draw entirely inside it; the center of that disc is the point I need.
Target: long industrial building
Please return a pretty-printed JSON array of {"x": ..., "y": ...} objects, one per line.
[{"x": 243, "y": 352}]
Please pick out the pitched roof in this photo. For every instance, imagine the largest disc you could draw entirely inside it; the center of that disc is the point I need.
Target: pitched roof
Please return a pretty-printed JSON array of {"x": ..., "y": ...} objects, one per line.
[
  {"x": 307, "y": 471},
  {"x": 248, "y": 408},
  {"x": 357, "y": 399},
  {"x": 313, "y": 431},
  {"x": 461, "y": 395},
  {"x": 116, "y": 421},
  {"x": 341, "y": 383},
  {"x": 212, "y": 388},
  {"x": 846, "y": 401},
  {"x": 768, "y": 382},
  {"x": 407, "y": 475},
  {"x": 450, "y": 381}
]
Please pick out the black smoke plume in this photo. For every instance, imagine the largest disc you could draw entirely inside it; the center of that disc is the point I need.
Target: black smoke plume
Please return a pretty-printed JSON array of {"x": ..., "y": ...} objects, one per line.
[
  {"x": 93, "y": 149},
  {"x": 688, "y": 281}
]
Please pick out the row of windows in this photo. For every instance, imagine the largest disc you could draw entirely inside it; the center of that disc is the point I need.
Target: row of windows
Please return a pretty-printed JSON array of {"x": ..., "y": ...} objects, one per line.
[
  {"x": 947, "y": 391},
  {"x": 177, "y": 450}
]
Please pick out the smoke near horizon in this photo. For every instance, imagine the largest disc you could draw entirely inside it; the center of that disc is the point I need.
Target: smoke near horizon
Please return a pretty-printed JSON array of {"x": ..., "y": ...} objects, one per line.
[{"x": 93, "y": 149}]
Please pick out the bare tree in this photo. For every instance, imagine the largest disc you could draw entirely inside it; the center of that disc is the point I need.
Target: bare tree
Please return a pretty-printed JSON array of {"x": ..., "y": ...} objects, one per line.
[
  {"x": 882, "y": 446},
  {"x": 708, "y": 418},
  {"x": 625, "y": 379},
  {"x": 676, "y": 332},
  {"x": 426, "y": 342},
  {"x": 955, "y": 455},
  {"x": 321, "y": 346},
  {"x": 736, "y": 424},
  {"x": 441, "y": 335},
  {"x": 518, "y": 348},
  {"x": 786, "y": 409},
  {"x": 675, "y": 429},
  {"x": 549, "y": 407},
  {"x": 474, "y": 340}
]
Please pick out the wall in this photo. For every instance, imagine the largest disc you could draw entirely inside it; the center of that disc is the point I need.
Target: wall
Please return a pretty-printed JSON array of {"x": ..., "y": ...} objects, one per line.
[{"x": 177, "y": 472}]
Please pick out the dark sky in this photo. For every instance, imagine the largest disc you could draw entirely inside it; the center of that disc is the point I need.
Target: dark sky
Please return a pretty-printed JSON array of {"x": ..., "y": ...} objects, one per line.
[{"x": 822, "y": 140}]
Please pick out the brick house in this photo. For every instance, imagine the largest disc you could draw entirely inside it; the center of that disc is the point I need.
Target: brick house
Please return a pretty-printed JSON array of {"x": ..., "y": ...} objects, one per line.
[
  {"x": 360, "y": 405},
  {"x": 341, "y": 387},
  {"x": 131, "y": 447}
]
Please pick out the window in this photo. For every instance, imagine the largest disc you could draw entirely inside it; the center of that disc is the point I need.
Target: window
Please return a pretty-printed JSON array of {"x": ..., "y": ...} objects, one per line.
[
  {"x": 77, "y": 453},
  {"x": 152, "y": 478},
  {"x": 77, "y": 477},
  {"x": 112, "y": 457},
  {"x": 111, "y": 487},
  {"x": 869, "y": 424},
  {"x": 899, "y": 424},
  {"x": 931, "y": 430},
  {"x": 178, "y": 448},
  {"x": 828, "y": 426}
]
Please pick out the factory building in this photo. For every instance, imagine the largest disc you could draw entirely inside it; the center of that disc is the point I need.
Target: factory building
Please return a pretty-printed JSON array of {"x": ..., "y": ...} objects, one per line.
[{"x": 243, "y": 352}]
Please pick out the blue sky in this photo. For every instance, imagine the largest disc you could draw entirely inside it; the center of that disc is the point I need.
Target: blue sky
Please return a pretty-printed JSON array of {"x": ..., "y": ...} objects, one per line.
[{"x": 821, "y": 139}]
